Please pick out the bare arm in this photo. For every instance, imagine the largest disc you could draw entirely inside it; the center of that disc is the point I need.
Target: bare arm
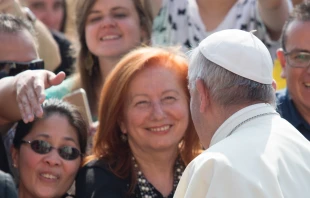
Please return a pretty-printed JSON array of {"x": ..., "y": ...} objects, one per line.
[
  {"x": 155, "y": 5},
  {"x": 21, "y": 96},
  {"x": 274, "y": 14}
]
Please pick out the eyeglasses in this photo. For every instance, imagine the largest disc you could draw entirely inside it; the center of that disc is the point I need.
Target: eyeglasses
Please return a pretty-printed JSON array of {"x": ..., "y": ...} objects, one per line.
[
  {"x": 43, "y": 147},
  {"x": 298, "y": 59},
  {"x": 10, "y": 68}
]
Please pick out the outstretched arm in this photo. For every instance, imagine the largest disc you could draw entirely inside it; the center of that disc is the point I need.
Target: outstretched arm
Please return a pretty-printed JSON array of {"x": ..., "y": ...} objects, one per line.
[
  {"x": 274, "y": 14},
  {"x": 21, "y": 96}
]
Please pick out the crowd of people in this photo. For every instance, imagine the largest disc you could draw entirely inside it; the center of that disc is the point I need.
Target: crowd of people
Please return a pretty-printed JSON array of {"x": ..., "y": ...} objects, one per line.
[{"x": 182, "y": 98}]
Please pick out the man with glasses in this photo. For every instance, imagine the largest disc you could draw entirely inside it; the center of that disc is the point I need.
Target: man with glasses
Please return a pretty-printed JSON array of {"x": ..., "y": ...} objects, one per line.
[{"x": 294, "y": 101}]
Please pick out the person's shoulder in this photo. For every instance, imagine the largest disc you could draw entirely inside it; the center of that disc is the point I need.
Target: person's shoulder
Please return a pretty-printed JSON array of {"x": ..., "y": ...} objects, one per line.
[
  {"x": 4, "y": 176},
  {"x": 210, "y": 159},
  {"x": 7, "y": 186},
  {"x": 281, "y": 94},
  {"x": 221, "y": 154},
  {"x": 282, "y": 101},
  {"x": 95, "y": 169},
  {"x": 99, "y": 165},
  {"x": 96, "y": 179}
]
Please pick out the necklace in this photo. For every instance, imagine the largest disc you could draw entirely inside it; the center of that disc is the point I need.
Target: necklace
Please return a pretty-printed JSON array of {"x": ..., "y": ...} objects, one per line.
[
  {"x": 147, "y": 190},
  {"x": 249, "y": 119}
]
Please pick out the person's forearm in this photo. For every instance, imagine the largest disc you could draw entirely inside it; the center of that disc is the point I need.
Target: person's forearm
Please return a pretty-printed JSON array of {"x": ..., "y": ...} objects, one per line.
[
  {"x": 274, "y": 13},
  {"x": 8, "y": 104}
]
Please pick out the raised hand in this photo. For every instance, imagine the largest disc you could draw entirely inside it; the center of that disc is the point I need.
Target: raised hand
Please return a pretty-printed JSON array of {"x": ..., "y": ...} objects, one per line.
[{"x": 30, "y": 86}]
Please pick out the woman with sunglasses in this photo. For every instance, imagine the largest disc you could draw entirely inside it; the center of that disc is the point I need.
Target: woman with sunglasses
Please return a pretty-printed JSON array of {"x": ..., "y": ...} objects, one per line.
[{"x": 48, "y": 151}]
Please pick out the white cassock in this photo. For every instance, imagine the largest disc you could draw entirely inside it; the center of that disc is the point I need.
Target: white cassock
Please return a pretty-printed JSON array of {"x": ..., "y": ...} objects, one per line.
[{"x": 254, "y": 154}]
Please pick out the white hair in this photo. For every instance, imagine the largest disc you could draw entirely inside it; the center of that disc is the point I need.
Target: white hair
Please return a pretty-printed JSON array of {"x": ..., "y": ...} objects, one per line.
[{"x": 225, "y": 87}]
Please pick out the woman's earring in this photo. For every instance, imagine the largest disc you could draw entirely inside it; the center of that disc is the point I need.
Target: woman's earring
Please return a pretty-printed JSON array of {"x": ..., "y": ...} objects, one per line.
[
  {"x": 124, "y": 137},
  {"x": 90, "y": 63},
  {"x": 14, "y": 165}
]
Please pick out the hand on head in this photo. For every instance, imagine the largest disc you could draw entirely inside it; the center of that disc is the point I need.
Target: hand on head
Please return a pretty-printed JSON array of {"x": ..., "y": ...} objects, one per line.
[{"x": 30, "y": 86}]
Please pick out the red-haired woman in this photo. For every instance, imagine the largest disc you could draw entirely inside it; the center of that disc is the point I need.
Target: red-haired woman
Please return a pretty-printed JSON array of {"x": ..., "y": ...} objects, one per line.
[{"x": 145, "y": 136}]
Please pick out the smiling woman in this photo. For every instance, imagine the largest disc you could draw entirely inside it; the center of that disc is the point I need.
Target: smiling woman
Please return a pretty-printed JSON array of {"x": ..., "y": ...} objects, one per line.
[
  {"x": 145, "y": 136},
  {"x": 47, "y": 157},
  {"x": 107, "y": 31}
]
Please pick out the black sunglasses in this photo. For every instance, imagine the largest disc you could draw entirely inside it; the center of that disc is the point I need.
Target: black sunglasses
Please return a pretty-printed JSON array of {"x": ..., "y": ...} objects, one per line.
[
  {"x": 43, "y": 147},
  {"x": 10, "y": 68}
]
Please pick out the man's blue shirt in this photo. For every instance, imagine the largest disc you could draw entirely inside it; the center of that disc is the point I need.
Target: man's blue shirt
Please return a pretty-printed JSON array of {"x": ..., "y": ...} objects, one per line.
[{"x": 288, "y": 111}]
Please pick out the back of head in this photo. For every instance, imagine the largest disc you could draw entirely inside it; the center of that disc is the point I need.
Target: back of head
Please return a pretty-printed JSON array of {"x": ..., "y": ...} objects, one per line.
[
  {"x": 10, "y": 24},
  {"x": 235, "y": 66},
  {"x": 301, "y": 12}
]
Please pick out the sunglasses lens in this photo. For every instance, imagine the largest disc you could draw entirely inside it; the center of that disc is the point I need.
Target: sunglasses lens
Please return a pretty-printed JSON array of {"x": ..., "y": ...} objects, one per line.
[
  {"x": 14, "y": 68},
  {"x": 69, "y": 153},
  {"x": 40, "y": 146},
  {"x": 43, "y": 147}
]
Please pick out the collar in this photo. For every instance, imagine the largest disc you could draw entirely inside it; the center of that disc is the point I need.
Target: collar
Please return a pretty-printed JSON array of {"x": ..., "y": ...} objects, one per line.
[{"x": 239, "y": 118}]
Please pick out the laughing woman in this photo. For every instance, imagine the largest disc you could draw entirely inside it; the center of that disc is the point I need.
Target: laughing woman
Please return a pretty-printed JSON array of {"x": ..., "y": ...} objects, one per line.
[{"x": 48, "y": 151}]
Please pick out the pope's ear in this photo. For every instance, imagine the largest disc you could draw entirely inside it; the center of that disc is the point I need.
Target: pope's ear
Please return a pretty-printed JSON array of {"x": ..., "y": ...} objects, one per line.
[
  {"x": 274, "y": 84},
  {"x": 203, "y": 95}
]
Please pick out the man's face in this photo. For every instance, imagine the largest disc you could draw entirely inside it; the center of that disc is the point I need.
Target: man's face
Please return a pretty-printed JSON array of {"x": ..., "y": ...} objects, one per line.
[
  {"x": 17, "y": 47},
  {"x": 298, "y": 79}
]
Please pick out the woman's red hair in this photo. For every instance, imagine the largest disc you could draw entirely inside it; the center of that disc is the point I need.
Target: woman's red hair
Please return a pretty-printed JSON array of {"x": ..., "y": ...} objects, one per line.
[{"x": 107, "y": 142}]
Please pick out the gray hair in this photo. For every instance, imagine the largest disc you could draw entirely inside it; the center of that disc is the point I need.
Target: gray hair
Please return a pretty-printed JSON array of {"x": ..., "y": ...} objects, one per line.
[
  {"x": 11, "y": 24},
  {"x": 227, "y": 88}
]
